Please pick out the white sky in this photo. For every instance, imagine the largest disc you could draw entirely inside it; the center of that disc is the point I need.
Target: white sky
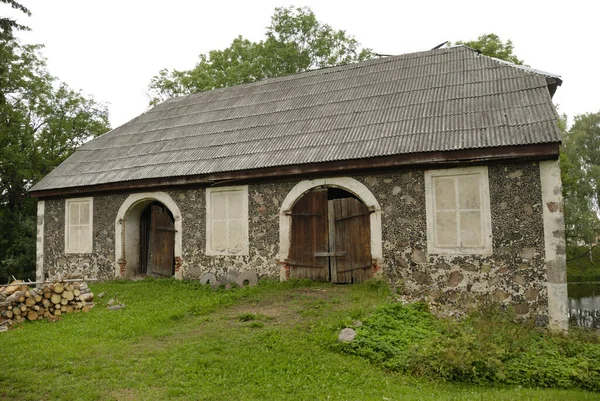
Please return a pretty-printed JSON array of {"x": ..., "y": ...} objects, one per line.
[{"x": 111, "y": 49}]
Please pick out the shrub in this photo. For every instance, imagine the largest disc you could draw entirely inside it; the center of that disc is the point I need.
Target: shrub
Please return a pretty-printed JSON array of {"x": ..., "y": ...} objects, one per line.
[
  {"x": 579, "y": 266},
  {"x": 488, "y": 347}
]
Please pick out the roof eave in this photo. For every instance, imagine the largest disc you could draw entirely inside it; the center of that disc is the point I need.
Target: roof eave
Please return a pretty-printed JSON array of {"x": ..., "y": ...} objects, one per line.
[{"x": 542, "y": 151}]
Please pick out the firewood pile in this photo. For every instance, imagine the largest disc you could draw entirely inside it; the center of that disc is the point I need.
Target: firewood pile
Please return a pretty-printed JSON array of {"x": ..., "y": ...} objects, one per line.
[{"x": 19, "y": 302}]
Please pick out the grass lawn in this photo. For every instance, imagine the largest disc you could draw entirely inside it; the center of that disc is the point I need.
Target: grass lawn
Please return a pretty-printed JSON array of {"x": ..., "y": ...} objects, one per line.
[{"x": 178, "y": 340}]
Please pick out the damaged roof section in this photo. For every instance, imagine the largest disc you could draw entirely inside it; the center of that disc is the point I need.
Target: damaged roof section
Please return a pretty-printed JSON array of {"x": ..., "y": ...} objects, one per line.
[{"x": 434, "y": 101}]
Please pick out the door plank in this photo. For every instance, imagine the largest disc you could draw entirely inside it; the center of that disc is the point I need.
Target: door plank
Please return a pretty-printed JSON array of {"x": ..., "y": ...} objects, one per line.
[
  {"x": 309, "y": 237},
  {"x": 352, "y": 230},
  {"x": 162, "y": 243}
]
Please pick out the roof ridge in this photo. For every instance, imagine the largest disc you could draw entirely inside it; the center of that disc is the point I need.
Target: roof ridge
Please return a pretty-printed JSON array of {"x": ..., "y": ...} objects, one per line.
[{"x": 302, "y": 74}]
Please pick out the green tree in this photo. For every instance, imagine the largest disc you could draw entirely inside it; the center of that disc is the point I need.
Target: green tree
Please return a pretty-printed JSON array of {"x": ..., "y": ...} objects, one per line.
[
  {"x": 295, "y": 42},
  {"x": 42, "y": 121},
  {"x": 7, "y": 25},
  {"x": 491, "y": 45},
  {"x": 580, "y": 169}
]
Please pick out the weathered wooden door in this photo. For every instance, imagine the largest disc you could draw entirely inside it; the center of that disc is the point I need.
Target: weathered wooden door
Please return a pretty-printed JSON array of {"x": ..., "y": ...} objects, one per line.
[
  {"x": 161, "y": 249},
  {"x": 330, "y": 240},
  {"x": 309, "y": 237},
  {"x": 350, "y": 241}
]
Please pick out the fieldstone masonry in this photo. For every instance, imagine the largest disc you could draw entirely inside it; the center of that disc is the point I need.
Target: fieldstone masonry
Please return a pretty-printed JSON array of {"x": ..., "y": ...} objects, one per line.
[{"x": 515, "y": 274}]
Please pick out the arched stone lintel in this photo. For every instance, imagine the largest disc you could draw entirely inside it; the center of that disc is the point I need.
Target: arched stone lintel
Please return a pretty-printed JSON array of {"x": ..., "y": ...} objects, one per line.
[
  {"x": 124, "y": 211},
  {"x": 346, "y": 183}
]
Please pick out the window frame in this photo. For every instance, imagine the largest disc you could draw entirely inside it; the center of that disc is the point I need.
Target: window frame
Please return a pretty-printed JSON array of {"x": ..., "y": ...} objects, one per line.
[
  {"x": 210, "y": 251},
  {"x": 433, "y": 246},
  {"x": 68, "y": 246}
]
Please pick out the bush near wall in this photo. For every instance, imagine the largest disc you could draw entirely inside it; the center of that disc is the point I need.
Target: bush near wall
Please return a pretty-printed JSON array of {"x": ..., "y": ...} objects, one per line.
[
  {"x": 488, "y": 347},
  {"x": 579, "y": 266}
]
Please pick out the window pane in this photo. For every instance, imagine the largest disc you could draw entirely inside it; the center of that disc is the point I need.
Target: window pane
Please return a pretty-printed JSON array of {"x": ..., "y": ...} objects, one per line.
[
  {"x": 219, "y": 235},
  {"x": 236, "y": 204},
  {"x": 73, "y": 240},
  {"x": 236, "y": 235},
  {"x": 446, "y": 228},
  {"x": 218, "y": 204},
  {"x": 445, "y": 198},
  {"x": 84, "y": 213},
  {"x": 73, "y": 213},
  {"x": 84, "y": 239},
  {"x": 469, "y": 192},
  {"x": 470, "y": 229}
]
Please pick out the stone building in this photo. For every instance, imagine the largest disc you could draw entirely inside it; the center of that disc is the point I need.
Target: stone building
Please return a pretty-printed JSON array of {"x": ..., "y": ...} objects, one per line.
[{"x": 437, "y": 170}]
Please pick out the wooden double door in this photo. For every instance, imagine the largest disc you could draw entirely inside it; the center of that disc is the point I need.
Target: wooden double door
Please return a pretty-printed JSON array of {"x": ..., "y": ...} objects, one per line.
[
  {"x": 157, "y": 241},
  {"x": 331, "y": 238}
]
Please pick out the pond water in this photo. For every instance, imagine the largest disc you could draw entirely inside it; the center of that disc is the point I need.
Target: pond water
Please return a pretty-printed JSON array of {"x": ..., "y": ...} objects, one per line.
[{"x": 584, "y": 305}]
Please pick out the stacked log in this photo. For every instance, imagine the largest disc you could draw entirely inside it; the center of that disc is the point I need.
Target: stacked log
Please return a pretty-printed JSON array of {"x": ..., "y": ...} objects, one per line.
[{"x": 19, "y": 303}]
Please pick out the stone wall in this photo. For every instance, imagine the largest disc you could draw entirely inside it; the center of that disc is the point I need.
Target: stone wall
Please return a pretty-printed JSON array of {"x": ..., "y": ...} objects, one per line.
[
  {"x": 98, "y": 264},
  {"x": 514, "y": 274},
  {"x": 263, "y": 236}
]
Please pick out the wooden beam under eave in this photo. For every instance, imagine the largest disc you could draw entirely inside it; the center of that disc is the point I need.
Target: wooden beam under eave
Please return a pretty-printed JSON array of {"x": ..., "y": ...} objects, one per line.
[{"x": 346, "y": 167}]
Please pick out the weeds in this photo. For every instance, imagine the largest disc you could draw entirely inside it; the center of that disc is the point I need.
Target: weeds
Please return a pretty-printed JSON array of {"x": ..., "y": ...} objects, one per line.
[{"x": 486, "y": 348}]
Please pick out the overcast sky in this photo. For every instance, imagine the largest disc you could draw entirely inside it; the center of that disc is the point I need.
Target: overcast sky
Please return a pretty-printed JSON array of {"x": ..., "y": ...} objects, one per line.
[{"x": 111, "y": 49}]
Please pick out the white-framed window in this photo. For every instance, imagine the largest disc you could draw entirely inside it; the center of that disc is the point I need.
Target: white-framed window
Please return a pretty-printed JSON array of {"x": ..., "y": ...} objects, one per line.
[
  {"x": 78, "y": 225},
  {"x": 458, "y": 211},
  {"x": 227, "y": 220}
]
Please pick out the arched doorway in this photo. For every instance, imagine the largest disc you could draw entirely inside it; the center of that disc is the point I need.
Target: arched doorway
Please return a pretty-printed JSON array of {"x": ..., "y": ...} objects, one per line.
[
  {"x": 330, "y": 237},
  {"x": 148, "y": 236}
]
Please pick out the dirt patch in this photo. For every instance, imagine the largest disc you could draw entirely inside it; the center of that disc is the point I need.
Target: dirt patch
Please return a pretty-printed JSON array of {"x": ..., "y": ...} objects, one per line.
[{"x": 295, "y": 307}]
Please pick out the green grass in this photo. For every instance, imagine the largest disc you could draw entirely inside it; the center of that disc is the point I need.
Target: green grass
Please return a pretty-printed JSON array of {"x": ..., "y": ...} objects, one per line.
[{"x": 178, "y": 340}]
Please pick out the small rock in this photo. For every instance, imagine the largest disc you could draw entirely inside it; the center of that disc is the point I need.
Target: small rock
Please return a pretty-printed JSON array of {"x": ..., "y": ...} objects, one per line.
[
  {"x": 101, "y": 294},
  {"x": 501, "y": 295},
  {"x": 519, "y": 279},
  {"x": 515, "y": 174},
  {"x": 346, "y": 335},
  {"x": 493, "y": 281},
  {"x": 418, "y": 256},
  {"x": 521, "y": 309},
  {"x": 401, "y": 261},
  {"x": 531, "y": 294},
  {"x": 115, "y": 307},
  {"x": 469, "y": 267},
  {"x": 553, "y": 206},
  {"x": 110, "y": 302},
  {"x": 443, "y": 266},
  {"x": 357, "y": 323},
  {"x": 422, "y": 278},
  {"x": 527, "y": 253},
  {"x": 454, "y": 279}
]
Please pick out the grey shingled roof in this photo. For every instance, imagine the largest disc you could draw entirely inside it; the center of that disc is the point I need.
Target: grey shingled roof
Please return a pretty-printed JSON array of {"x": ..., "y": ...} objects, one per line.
[{"x": 438, "y": 100}]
